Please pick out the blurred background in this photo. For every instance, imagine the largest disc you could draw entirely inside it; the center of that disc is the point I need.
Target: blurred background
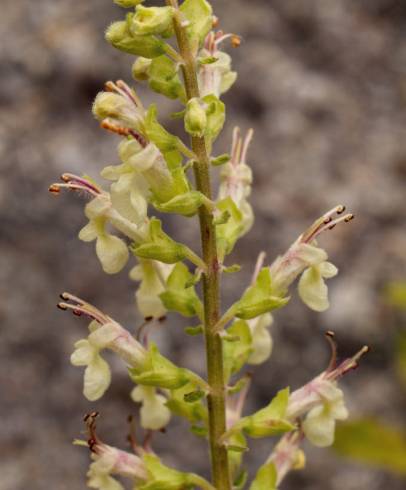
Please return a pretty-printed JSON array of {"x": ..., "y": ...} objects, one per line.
[{"x": 323, "y": 83}]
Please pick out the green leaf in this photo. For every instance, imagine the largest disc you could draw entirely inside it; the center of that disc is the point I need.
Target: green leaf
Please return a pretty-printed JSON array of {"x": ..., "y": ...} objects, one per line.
[
  {"x": 231, "y": 269},
  {"x": 265, "y": 478},
  {"x": 177, "y": 297},
  {"x": 199, "y": 431},
  {"x": 208, "y": 60},
  {"x": 268, "y": 421},
  {"x": 194, "y": 396},
  {"x": 200, "y": 17},
  {"x": 193, "y": 331},
  {"x": 160, "y": 246},
  {"x": 257, "y": 299},
  {"x": 119, "y": 36},
  {"x": 220, "y": 160},
  {"x": 372, "y": 442}
]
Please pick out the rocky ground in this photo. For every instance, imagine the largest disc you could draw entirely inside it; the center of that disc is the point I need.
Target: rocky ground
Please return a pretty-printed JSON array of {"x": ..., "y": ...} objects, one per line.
[{"x": 323, "y": 83}]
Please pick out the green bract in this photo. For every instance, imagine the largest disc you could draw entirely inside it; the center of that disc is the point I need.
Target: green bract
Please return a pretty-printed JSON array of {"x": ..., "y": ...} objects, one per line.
[
  {"x": 159, "y": 246},
  {"x": 266, "y": 478},
  {"x": 157, "y": 133},
  {"x": 258, "y": 298},
  {"x": 236, "y": 353},
  {"x": 269, "y": 421},
  {"x": 159, "y": 371},
  {"x": 186, "y": 204},
  {"x": 177, "y": 296},
  {"x": 161, "y": 477}
]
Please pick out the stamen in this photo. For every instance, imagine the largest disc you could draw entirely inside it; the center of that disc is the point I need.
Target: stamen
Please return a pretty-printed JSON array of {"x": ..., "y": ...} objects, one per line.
[
  {"x": 56, "y": 188},
  {"x": 348, "y": 364},
  {"x": 129, "y": 93},
  {"x": 258, "y": 266},
  {"x": 330, "y": 337},
  {"x": 234, "y": 144},
  {"x": 247, "y": 142},
  {"x": 80, "y": 307},
  {"x": 75, "y": 179},
  {"x": 326, "y": 222},
  {"x": 329, "y": 226},
  {"x": 114, "y": 128},
  {"x": 235, "y": 41}
]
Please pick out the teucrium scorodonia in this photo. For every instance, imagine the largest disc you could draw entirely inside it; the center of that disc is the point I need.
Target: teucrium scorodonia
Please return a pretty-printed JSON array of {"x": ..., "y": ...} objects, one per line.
[{"x": 154, "y": 174}]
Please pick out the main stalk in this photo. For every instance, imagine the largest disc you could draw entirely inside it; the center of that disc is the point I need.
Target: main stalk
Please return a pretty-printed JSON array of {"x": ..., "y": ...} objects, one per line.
[{"x": 211, "y": 279}]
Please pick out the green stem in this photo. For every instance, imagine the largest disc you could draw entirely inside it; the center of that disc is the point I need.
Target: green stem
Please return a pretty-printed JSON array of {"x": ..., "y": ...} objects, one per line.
[{"x": 211, "y": 279}]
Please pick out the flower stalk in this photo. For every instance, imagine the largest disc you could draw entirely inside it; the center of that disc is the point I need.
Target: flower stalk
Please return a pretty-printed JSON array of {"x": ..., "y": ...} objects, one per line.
[{"x": 211, "y": 278}]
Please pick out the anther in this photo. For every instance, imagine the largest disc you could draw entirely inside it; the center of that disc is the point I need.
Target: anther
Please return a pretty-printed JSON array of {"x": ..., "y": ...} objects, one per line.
[
  {"x": 61, "y": 306},
  {"x": 64, "y": 296},
  {"x": 340, "y": 209},
  {"x": 235, "y": 41},
  {"x": 54, "y": 189},
  {"x": 77, "y": 312},
  {"x": 65, "y": 177},
  {"x": 215, "y": 21},
  {"x": 349, "y": 217}
]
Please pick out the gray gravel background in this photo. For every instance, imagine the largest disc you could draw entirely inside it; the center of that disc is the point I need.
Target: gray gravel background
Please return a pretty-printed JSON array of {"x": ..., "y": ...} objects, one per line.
[{"x": 323, "y": 83}]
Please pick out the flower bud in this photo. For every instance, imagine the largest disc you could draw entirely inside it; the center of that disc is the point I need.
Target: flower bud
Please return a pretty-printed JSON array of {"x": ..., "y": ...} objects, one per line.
[
  {"x": 109, "y": 105},
  {"x": 195, "y": 118},
  {"x": 119, "y": 36},
  {"x": 151, "y": 20},
  {"x": 140, "y": 68}
]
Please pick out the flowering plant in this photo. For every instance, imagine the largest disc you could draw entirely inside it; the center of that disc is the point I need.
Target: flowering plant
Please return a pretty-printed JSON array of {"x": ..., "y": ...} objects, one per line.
[{"x": 153, "y": 174}]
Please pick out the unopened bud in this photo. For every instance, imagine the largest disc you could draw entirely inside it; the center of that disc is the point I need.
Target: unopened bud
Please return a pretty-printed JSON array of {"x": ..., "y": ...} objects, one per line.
[
  {"x": 195, "y": 118},
  {"x": 120, "y": 37},
  {"x": 151, "y": 20},
  {"x": 140, "y": 68}
]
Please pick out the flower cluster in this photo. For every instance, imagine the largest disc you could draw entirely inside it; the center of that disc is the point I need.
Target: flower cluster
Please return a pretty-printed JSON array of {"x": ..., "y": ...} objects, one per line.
[{"x": 152, "y": 175}]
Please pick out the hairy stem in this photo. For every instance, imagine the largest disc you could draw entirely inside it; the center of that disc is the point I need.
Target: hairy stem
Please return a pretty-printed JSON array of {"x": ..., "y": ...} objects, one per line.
[{"x": 211, "y": 278}]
